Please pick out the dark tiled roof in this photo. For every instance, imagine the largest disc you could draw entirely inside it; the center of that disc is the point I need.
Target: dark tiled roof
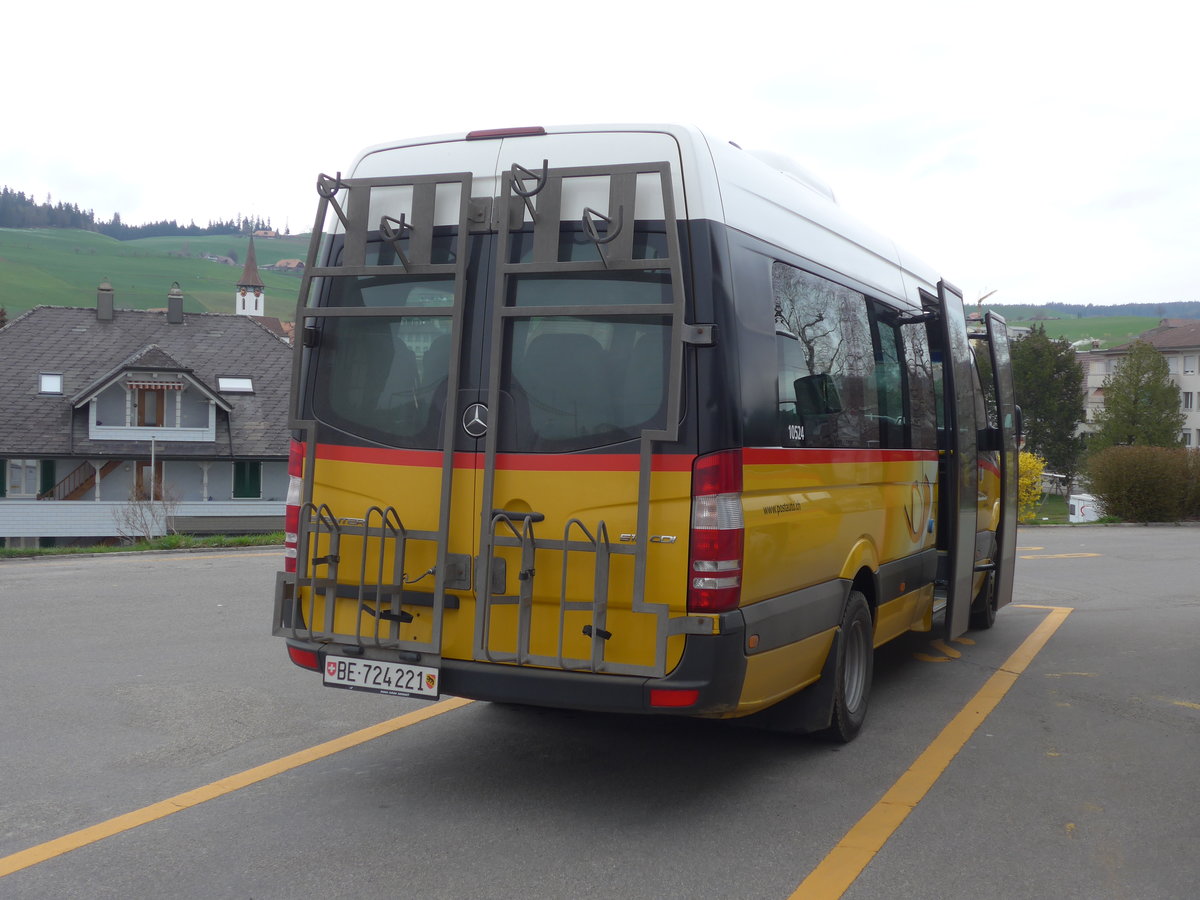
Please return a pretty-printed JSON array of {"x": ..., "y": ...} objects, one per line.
[
  {"x": 1169, "y": 336},
  {"x": 276, "y": 327},
  {"x": 71, "y": 341},
  {"x": 1175, "y": 338},
  {"x": 153, "y": 357}
]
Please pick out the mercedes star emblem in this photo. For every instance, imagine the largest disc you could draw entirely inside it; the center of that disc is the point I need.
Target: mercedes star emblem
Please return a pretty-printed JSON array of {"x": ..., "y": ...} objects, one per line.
[{"x": 474, "y": 420}]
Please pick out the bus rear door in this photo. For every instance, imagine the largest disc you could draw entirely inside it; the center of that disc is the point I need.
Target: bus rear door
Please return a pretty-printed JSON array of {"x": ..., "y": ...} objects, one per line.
[
  {"x": 583, "y": 512},
  {"x": 490, "y": 393}
]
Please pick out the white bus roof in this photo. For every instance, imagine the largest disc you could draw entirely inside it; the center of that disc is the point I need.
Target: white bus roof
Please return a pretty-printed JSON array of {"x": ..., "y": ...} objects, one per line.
[{"x": 763, "y": 194}]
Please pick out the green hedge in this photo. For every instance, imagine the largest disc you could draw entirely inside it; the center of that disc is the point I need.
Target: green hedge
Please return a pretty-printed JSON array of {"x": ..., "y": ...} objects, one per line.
[
  {"x": 167, "y": 542},
  {"x": 1146, "y": 484}
]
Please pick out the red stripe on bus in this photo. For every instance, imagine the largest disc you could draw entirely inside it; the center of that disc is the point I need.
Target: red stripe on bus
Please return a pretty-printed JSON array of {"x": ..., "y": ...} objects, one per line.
[
  {"x": 511, "y": 462},
  {"x": 592, "y": 462},
  {"x": 817, "y": 455},
  {"x": 382, "y": 456},
  {"x": 615, "y": 462}
]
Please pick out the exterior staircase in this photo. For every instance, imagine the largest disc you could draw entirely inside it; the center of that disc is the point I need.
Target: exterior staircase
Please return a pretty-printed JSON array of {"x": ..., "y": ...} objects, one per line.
[{"x": 76, "y": 485}]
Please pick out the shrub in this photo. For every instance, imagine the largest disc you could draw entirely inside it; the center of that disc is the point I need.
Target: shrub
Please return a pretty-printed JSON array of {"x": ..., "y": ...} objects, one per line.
[
  {"x": 1191, "y": 508},
  {"x": 1146, "y": 484},
  {"x": 1029, "y": 486}
]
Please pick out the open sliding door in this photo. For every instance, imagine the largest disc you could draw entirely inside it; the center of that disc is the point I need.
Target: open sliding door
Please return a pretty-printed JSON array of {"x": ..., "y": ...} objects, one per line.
[
  {"x": 960, "y": 488},
  {"x": 1010, "y": 437}
]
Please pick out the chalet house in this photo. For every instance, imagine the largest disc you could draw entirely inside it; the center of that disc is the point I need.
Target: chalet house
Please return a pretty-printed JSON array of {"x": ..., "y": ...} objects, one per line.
[
  {"x": 104, "y": 407},
  {"x": 1178, "y": 340}
]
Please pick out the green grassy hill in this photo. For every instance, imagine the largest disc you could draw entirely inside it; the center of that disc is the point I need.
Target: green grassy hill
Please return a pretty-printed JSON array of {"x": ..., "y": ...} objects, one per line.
[
  {"x": 1111, "y": 331},
  {"x": 62, "y": 267}
]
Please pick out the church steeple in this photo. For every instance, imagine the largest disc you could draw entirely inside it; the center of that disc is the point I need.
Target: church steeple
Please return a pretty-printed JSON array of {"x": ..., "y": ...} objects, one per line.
[{"x": 251, "y": 297}]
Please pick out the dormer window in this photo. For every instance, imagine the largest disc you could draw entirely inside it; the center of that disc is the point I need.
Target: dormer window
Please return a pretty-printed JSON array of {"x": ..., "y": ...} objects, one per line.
[
  {"x": 50, "y": 383},
  {"x": 143, "y": 404},
  {"x": 230, "y": 385}
]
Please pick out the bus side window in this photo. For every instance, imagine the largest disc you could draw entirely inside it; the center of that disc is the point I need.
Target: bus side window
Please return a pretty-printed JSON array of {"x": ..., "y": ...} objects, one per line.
[
  {"x": 922, "y": 399},
  {"x": 791, "y": 371},
  {"x": 985, "y": 391},
  {"x": 826, "y": 395},
  {"x": 889, "y": 381}
]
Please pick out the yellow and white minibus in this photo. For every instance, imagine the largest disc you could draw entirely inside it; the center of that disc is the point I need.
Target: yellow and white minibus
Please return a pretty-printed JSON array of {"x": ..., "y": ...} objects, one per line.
[{"x": 628, "y": 418}]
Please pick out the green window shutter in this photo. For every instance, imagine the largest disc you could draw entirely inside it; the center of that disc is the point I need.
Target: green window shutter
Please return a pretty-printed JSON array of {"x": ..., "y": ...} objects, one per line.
[
  {"x": 247, "y": 480},
  {"x": 3, "y": 477},
  {"x": 47, "y": 476}
]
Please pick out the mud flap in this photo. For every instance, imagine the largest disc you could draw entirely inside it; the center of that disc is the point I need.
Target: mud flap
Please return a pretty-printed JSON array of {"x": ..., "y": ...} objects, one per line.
[{"x": 809, "y": 710}]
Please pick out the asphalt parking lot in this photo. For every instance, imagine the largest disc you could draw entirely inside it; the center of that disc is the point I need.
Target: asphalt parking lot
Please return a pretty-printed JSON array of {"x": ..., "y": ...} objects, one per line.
[{"x": 158, "y": 742}]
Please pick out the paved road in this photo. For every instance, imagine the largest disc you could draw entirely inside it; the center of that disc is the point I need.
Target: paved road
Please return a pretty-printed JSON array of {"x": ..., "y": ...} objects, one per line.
[{"x": 134, "y": 680}]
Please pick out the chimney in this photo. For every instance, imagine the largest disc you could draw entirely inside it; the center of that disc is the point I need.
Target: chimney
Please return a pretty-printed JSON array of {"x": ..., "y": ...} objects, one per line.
[
  {"x": 104, "y": 302},
  {"x": 175, "y": 305}
]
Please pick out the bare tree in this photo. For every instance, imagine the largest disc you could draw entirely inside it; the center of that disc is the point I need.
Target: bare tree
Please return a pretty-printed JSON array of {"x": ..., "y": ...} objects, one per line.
[{"x": 143, "y": 518}]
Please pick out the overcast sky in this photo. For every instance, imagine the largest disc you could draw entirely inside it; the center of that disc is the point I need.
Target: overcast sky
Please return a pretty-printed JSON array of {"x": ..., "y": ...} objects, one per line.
[{"x": 1049, "y": 151}]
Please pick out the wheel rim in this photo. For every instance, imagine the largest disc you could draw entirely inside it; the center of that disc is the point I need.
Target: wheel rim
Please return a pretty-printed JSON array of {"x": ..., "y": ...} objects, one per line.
[{"x": 855, "y": 668}]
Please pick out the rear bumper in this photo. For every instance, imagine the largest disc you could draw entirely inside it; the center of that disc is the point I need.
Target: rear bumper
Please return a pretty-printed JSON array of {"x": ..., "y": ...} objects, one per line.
[{"x": 714, "y": 666}]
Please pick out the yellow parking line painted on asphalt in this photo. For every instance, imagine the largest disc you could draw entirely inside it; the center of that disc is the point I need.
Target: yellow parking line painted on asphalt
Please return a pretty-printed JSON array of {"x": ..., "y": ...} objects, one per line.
[
  {"x": 57, "y": 847},
  {"x": 1059, "y": 555},
  {"x": 837, "y": 871}
]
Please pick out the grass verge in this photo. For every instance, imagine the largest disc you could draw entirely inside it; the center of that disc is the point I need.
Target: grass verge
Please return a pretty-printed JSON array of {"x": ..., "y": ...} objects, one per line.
[{"x": 168, "y": 542}]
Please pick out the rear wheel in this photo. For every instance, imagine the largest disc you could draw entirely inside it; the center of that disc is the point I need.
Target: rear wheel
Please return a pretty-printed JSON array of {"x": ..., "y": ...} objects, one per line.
[
  {"x": 853, "y": 670},
  {"x": 983, "y": 609}
]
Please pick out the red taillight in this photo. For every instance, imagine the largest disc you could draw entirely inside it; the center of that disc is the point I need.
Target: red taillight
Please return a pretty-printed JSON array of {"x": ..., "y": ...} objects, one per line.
[
  {"x": 717, "y": 473},
  {"x": 664, "y": 698},
  {"x": 291, "y": 513},
  {"x": 718, "y": 528},
  {"x": 305, "y": 659},
  {"x": 296, "y": 458}
]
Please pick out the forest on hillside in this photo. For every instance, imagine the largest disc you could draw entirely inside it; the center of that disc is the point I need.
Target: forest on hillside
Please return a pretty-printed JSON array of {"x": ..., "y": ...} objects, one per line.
[
  {"x": 18, "y": 210},
  {"x": 1174, "y": 309}
]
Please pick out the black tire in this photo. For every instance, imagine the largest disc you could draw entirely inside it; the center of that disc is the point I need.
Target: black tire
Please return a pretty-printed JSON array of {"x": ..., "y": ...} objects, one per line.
[
  {"x": 983, "y": 608},
  {"x": 853, "y": 670}
]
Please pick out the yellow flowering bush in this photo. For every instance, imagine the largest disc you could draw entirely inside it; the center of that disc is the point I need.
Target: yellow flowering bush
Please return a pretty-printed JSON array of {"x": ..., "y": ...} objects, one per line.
[{"x": 1029, "y": 486}]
